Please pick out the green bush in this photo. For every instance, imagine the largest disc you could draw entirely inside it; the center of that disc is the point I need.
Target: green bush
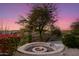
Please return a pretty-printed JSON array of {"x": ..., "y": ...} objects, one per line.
[
  {"x": 26, "y": 39},
  {"x": 75, "y": 32},
  {"x": 23, "y": 40},
  {"x": 71, "y": 41},
  {"x": 13, "y": 43}
]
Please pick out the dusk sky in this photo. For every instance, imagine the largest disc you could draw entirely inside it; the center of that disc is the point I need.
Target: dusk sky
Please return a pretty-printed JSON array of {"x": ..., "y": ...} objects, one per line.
[{"x": 10, "y": 13}]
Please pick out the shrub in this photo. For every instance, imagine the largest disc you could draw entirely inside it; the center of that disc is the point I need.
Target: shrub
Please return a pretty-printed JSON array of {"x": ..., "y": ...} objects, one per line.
[
  {"x": 29, "y": 38},
  {"x": 75, "y": 32},
  {"x": 25, "y": 39},
  {"x": 56, "y": 34},
  {"x": 71, "y": 41},
  {"x": 9, "y": 43}
]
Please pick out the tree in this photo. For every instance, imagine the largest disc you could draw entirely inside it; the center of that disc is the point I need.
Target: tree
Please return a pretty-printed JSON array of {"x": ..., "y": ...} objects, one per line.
[{"x": 41, "y": 15}]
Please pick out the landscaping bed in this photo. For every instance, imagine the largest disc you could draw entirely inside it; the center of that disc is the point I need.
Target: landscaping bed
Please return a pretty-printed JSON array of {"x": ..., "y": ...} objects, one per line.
[{"x": 8, "y": 43}]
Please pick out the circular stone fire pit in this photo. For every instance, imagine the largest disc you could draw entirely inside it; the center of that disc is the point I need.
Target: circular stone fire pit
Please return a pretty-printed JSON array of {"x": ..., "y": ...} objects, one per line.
[{"x": 41, "y": 48}]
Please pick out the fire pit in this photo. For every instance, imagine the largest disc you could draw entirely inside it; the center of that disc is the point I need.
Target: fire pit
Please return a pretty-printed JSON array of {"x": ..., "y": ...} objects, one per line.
[{"x": 40, "y": 48}]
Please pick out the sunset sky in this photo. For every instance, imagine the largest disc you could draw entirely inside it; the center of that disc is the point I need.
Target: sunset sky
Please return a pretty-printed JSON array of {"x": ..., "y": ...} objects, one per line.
[{"x": 10, "y": 13}]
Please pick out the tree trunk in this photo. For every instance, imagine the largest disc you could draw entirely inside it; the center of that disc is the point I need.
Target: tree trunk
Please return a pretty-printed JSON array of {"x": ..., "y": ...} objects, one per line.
[
  {"x": 40, "y": 32},
  {"x": 30, "y": 37}
]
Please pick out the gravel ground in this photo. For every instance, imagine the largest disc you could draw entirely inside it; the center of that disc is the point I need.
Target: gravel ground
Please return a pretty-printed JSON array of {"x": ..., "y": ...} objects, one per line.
[{"x": 70, "y": 52}]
